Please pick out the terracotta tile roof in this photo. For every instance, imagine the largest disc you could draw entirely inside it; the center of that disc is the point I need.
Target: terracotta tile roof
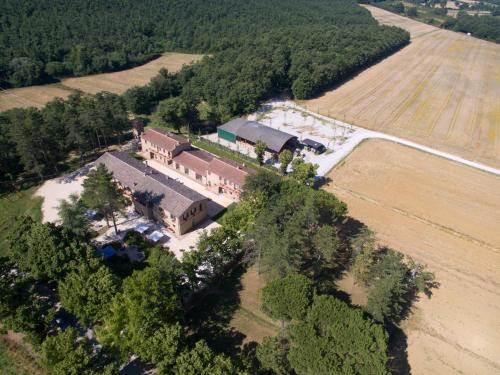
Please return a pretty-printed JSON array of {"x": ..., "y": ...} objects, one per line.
[
  {"x": 195, "y": 159},
  {"x": 163, "y": 138},
  {"x": 228, "y": 169},
  {"x": 147, "y": 184}
]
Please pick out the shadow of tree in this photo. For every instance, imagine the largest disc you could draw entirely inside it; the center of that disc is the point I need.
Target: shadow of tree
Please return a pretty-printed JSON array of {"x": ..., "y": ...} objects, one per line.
[
  {"x": 398, "y": 351},
  {"x": 210, "y": 318}
]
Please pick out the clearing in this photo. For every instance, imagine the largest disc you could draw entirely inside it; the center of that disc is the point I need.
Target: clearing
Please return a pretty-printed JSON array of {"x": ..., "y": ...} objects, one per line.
[
  {"x": 116, "y": 82},
  {"x": 444, "y": 215},
  {"x": 442, "y": 90},
  {"x": 249, "y": 319}
]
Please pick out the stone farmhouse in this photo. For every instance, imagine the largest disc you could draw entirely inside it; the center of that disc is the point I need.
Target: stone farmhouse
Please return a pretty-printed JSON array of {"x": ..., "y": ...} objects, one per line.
[
  {"x": 219, "y": 175},
  {"x": 245, "y": 134},
  {"x": 155, "y": 195}
]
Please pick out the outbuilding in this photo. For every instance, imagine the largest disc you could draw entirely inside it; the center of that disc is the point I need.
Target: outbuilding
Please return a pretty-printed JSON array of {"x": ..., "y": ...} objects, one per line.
[{"x": 246, "y": 133}]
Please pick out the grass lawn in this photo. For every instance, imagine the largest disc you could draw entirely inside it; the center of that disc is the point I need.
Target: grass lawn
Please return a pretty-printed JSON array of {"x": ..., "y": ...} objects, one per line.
[
  {"x": 17, "y": 204},
  {"x": 230, "y": 316},
  {"x": 219, "y": 151},
  {"x": 15, "y": 360},
  {"x": 249, "y": 319}
]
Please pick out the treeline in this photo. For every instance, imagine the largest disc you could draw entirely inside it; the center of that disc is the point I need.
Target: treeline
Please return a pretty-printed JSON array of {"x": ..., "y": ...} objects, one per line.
[
  {"x": 484, "y": 27},
  {"x": 39, "y": 141},
  {"x": 45, "y": 40}
]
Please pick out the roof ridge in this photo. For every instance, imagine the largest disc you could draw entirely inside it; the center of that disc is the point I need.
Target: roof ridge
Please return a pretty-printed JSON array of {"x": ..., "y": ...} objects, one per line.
[{"x": 150, "y": 176}]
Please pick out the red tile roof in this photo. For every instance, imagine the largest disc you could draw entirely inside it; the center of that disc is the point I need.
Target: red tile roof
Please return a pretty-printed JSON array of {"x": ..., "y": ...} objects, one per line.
[
  {"x": 163, "y": 138},
  {"x": 234, "y": 172},
  {"x": 195, "y": 159}
]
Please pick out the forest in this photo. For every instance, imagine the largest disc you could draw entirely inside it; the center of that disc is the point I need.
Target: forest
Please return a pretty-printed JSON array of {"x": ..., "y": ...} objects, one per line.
[
  {"x": 257, "y": 43},
  {"x": 484, "y": 27},
  {"x": 36, "y": 143}
]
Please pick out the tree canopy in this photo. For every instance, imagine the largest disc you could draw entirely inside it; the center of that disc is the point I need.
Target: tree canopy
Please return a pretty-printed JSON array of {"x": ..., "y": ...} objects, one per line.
[
  {"x": 287, "y": 298},
  {"x": 102, "y": 194},
  {"x": 336, "y": 339},
  {"x": 45, "y": 250}
]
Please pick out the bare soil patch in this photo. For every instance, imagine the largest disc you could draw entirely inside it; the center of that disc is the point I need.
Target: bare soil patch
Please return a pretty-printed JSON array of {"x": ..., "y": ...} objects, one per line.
[
  {"x": 442, "y": 90},
  {"x": 116, "y": 82},
  {"x": 447, "y": 216}
]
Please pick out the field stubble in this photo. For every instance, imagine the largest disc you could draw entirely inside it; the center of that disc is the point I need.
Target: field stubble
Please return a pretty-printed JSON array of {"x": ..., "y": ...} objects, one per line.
[
  {"x": 442, "y": 90},
  {"x": 444, "y": 215},
  {"x": 116, "y": 82}
]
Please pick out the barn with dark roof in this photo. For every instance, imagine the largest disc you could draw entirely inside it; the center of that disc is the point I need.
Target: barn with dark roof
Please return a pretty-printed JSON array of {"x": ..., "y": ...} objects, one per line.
[{"x": 246, "y": 133}]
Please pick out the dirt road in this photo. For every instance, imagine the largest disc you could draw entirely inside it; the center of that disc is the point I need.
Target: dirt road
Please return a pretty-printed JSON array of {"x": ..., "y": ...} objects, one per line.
[{"x": 446, "y": 216}]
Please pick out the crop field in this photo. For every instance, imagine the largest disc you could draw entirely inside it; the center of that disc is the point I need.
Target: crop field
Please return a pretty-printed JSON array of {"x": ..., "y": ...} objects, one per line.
[
  {"x": 442, "y": 90},
  {"x": 444, "y": 215},
  {"x": 116, "y": 82},
  {"x": 119, "y": 82}
]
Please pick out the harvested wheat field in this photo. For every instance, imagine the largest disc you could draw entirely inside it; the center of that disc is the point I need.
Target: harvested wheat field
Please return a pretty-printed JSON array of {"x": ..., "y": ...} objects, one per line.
[
  {"x": 442, "y": 90},
  {"x": 119, "y": 82},
  {"x": 116, "y": 82},
  {"x": 447, "y": 216},
  {"x": 33, "y": 96}
]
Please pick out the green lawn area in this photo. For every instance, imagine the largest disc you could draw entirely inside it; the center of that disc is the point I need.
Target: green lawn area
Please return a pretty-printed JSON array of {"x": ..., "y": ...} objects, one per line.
[
  {"x": 15, "y": 360},
  {"x": 17, "y": 204},
  {"x": 220, "y": 151}
]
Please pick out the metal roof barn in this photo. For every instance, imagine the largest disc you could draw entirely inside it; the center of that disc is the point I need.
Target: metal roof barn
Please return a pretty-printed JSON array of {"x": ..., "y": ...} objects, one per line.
[{"x": 253, "y": 131}]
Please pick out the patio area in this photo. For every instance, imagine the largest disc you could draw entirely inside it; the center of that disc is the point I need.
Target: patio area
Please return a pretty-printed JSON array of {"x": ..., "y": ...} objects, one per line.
[{"x": 154, "y": 232}]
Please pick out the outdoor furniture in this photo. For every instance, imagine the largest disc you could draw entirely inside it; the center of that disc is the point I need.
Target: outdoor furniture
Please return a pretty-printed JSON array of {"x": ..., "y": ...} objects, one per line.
[
  {"x": 141, "y": 228},
  {"x": 155, "y": 236},
  {"x": 133, "y": 253}
]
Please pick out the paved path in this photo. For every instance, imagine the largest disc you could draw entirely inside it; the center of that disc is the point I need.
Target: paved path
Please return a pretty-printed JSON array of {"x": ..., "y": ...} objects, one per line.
[{"x": 362, "y": 134}]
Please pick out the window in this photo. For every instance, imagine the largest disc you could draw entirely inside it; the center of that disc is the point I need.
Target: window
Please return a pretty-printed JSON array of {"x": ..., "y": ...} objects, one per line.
[
  {"x": 177, "y": 166},
  {"x": 198, "y": 176},
  {"x": 186, "y": 170},
  {"x": 201, "y": 207}
]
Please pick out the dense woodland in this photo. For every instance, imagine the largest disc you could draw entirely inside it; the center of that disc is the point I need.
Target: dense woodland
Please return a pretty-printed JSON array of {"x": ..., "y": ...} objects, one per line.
[
  {"x": 258, "y": 47},
  {"x": 484, "y": 27},
  {"x": 36, "y": 143},
  {"x": 54, "y": 287}
]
